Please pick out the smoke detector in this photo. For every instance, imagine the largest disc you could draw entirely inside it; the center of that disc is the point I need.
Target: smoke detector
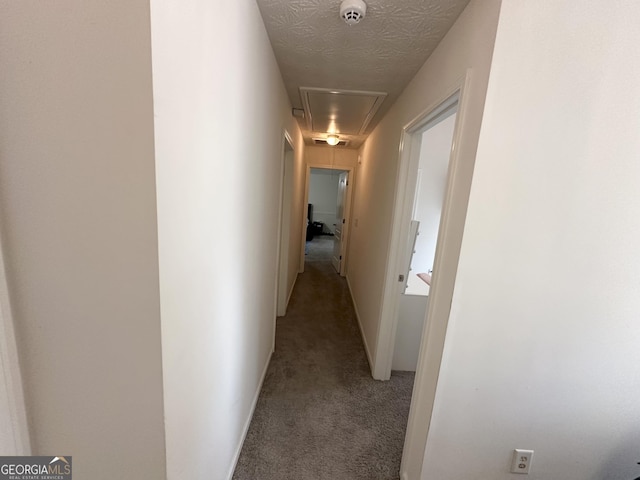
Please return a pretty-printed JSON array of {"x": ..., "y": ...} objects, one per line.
[{"x": 352, "y": 11}]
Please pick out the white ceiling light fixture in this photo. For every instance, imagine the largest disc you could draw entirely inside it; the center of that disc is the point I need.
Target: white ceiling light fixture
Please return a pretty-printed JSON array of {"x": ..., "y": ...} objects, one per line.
[
  {"x": 333, "y": 140},
  {"x": 352, "y": 11}
]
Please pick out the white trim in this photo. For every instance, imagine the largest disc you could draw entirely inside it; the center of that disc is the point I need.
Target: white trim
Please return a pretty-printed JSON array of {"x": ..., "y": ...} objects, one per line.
[
  {"x": 364, "y": 338},
  {"x": 11, "y": 379},
  {"x": 247, "y": 423}
]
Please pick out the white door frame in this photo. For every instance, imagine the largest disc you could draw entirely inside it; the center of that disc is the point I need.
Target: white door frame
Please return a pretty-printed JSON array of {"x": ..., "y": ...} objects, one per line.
[
  {"x": 11, "y": 381},
  {"x": 444, "y": 271},
  {"x": 284, "y": 222},
  {"x": 347, "y": 210},
  {"x": 410, "y": 144}
]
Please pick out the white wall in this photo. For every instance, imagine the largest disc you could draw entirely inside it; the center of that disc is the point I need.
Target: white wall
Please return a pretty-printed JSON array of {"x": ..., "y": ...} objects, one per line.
[
  {"x": 330, "y": 157},
  {"x": 323, "y": 195},
  {"x": 78, "y": 214},
  {"x": 220, "y": 115},
  {"x": 542, "y": 347},
  {"x": 467, "y": 45}
]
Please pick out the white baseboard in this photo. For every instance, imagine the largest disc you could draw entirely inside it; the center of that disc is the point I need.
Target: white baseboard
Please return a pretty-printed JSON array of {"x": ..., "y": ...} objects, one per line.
[
  {"x": 245, "y": 430},
  {"x": 364, "y": 338}
]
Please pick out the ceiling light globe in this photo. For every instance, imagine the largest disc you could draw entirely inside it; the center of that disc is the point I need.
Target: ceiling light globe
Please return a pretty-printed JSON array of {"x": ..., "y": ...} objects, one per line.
[{"x": 333, "y": 140}]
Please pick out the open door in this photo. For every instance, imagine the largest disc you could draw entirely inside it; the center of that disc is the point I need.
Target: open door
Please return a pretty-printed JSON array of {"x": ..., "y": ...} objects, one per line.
[
  {"x": 339, "y": 233},
  {"x": 284, "y": 284}
]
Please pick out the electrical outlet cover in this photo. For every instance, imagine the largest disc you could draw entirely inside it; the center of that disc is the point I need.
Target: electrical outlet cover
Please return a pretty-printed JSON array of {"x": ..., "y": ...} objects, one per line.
[{"x": 521, "y": 462}]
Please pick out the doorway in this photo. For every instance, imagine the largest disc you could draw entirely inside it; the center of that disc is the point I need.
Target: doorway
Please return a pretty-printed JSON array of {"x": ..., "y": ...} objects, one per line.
[
  {"x": 404, "y": 231},
  {"x": 328, "y": 194},
  {"x": 447, "y": 253},
  {"x": 427, "y": 201},
  {"x": 283, "y": 289}
]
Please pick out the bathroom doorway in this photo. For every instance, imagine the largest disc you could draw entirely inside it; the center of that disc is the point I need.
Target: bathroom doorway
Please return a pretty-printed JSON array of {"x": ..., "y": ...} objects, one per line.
[{"x": 433, "y": 154}]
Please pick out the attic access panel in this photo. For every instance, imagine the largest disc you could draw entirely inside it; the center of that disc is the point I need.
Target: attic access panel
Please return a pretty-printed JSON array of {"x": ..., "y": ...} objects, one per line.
[{"x": 345, "y": 112}]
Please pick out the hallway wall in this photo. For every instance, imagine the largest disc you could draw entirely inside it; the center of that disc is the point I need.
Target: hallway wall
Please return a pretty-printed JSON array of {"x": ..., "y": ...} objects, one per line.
[
  {"x": 220, "y": 114},
  {"x": 78, "y": 218},
  {"x": 542, "y": 345},
  {"x": 469, "y": 44}
]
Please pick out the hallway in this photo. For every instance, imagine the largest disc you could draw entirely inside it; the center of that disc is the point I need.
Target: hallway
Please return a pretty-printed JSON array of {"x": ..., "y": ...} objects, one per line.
[{"x": 320, "y": 415}]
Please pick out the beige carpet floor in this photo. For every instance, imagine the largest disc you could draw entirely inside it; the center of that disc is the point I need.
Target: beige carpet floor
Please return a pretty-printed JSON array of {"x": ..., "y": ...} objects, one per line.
[{"x": 320, "y": 415}]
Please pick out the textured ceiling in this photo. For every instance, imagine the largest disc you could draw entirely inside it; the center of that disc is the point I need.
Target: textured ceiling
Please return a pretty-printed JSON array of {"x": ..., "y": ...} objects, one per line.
[{"x": 315, "y": 48}]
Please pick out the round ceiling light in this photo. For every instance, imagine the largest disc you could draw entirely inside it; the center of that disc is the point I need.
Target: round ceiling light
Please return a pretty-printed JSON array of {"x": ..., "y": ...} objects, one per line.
[
  {"x": 333, "y": 140},
  {"x": 352, "y": 11}
]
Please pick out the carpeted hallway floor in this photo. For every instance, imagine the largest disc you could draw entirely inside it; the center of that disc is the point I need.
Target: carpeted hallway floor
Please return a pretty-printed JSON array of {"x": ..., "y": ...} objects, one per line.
[{"x": 320, "y": 415}]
